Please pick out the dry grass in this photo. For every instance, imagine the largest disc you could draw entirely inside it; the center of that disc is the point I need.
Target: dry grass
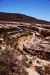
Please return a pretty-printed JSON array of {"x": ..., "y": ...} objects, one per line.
[{"x": 9, "y": 64}]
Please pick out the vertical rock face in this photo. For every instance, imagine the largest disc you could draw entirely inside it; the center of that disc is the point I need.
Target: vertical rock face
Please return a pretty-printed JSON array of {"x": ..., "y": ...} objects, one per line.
[{"x": 27, "y": 39}]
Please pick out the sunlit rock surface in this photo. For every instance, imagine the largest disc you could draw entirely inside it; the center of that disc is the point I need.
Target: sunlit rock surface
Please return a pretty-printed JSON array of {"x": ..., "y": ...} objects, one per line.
[{"x": 24, "y": 45}]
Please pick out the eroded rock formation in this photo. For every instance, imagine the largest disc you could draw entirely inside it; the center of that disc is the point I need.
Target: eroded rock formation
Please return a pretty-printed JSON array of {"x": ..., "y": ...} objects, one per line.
[{"x": 29, "y": 38}]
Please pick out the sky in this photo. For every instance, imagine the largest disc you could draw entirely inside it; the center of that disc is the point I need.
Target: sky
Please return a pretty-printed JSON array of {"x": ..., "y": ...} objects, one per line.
[{"x": 36, "y": 8}]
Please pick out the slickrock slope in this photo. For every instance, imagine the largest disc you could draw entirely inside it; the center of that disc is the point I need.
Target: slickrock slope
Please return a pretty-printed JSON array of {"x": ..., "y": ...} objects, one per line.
[{"x": 24, "y": 45}]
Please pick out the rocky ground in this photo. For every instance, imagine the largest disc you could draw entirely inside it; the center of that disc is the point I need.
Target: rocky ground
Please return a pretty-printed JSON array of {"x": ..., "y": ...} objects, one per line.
[{"x": 24, "y": 48}]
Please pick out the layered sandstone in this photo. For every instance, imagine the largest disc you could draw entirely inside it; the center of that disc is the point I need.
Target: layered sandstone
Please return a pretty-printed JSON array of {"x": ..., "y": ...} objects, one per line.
[{"x": 30, "y": 38}]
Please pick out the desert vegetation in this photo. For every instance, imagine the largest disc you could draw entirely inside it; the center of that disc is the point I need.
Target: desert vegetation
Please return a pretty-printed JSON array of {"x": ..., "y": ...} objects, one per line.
[{"x": 24, "y": 45}]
